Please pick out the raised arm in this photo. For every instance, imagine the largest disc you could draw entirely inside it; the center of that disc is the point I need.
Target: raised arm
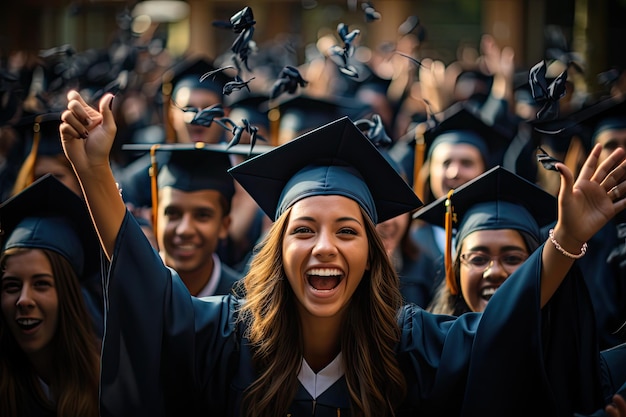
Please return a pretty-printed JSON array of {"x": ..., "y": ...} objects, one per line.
[
  {"x": 87, "y": 135},
  {"x": 585, "y": 205}
]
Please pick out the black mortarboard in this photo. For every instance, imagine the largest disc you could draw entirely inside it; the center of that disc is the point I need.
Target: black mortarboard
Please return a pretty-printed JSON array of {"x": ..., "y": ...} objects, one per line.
[
  {"x": 589, "y": 121},
  {"x": 334, "y": 159},
  {"x": 187, "y": 73},
  {"x": 608, "y": 114},
  {"x": 194, "y": 167},
  {"x": 460, "y": 123},
  {"x": 42, "y": 133},
  {"x": 302, "y": 113},
  {"x": 48, "y": 215},
  {"x": 496, "y": 199}
]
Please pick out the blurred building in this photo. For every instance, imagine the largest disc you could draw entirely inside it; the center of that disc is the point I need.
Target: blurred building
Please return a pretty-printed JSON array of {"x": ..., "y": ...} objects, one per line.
[{"x": 592, "y": 28}]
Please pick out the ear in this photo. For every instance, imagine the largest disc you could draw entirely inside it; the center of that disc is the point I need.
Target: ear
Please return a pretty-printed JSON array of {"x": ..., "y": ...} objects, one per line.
[{"x": 225, "y": 226}]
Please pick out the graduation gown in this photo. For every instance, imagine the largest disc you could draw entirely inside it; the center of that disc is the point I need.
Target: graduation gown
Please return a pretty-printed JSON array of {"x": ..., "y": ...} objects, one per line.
[
  {"x": 166, "y": 353},
  {"x": 607, "y": 285}
]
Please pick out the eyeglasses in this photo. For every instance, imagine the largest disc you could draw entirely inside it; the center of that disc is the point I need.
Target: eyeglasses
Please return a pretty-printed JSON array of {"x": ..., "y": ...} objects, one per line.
[{"x": 481, "y": 261}]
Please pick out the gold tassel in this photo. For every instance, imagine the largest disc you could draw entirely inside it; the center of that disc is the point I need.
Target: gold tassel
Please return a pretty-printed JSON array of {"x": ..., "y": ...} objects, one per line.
[
  {"x": 154, "y": 186},
  {"x": 449, "y": 219},
  {"x": 418, "y": 161}
]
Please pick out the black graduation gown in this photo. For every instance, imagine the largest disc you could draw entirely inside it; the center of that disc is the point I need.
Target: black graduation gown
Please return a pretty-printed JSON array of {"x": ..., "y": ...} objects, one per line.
[
  {"x": 228, "y": 279},
  {"x": 613, "y": 375},
  {"x": 168, "y": 354},
  {"x": 607, "y": 285}
]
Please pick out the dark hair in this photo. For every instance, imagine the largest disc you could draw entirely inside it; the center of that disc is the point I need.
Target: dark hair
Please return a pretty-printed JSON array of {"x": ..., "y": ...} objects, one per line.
[{"x": 75, "y": 345}]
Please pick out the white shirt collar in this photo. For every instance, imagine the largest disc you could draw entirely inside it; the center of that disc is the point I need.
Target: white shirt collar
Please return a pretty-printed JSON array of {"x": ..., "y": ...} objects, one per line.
[
  {"x": 211, "y": 285},
  {"x": 316, "y": 384}
]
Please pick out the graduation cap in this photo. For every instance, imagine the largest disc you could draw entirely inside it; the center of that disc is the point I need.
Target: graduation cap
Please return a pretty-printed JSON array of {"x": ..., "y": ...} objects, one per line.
[
  {"x": 42, "y": 131},
  {"x": 303, "y": 113},
  {"x": 193, "y": 167},
  {"x": 48, "y": 215},
  {"x": 460, "y": 123},
  {"x": 334, "y": 159},
  {"x": 496, "y": 199},
  {"x": 588, "y": 122},
  {"x": 41, "y": 134}
]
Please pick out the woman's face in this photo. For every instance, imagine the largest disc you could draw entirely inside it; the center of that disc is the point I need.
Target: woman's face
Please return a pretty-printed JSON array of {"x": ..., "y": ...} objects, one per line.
[
  {"x": 488, "y": 257},
  {"x": 452, "y": 165},
  {"x": 325, "y": 253},
  {"x": 29, "y": 300}
]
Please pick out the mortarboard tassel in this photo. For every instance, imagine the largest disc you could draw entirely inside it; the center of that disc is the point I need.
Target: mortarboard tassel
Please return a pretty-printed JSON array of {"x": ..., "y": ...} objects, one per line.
[
  {"x": 154, "y": 186},
  {"x": 35, "y": 148},
  {"x": 420, "y": 150},
  {"x": 27, "y": 177},
  {"x": 449, "y": 219}
]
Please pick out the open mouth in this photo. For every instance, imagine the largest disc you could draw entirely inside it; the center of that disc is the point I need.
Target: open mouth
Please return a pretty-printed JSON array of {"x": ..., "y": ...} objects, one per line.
[
  {"x": 28, "y": 324},
  {"x": 488, "y": 292},
  {"x": 324, "y": 279}
]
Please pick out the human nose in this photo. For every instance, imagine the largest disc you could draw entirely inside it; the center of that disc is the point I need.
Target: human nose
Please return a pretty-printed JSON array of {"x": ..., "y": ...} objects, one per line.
[
  {"x": 185, "y": 225},
  {"x": 495, "y": 269},
  {"x": 324, "y": 245},
  {"x": 452, "y": 170},
  {"x": 25, "y": 299}
]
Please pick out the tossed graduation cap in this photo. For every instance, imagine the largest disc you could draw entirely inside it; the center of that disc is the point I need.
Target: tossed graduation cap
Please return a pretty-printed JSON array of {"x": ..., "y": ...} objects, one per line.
[
  {"x": 334, "y": 159},
  {"x": 48, "y": 215},
  {"x": 496, "y": 199},
  {"x": 187, "y": 74},
  {"x": 588, "y": 122},
  {"x": 193, "y": 167}
]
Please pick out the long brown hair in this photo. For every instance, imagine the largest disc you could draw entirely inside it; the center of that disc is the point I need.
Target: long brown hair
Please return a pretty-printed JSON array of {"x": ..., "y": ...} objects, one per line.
[
  {"x": 369, "y": 335},
  {"x": 75, "y": 381}
]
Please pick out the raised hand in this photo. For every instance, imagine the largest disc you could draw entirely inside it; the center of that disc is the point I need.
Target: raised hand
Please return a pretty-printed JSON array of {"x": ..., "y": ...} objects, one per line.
[
  {"x": 595, "y": 197},
  {"x": 617, "y": 408},
  {"x": 87, "y": 133}
]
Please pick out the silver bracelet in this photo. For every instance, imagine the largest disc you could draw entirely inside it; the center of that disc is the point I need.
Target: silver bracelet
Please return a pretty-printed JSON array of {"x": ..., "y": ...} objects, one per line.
[{"x": 558, "y": 247}]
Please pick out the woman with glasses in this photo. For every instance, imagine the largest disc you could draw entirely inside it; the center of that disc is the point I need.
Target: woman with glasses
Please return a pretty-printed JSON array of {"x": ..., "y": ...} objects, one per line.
[{"x": 498, "y": 219}]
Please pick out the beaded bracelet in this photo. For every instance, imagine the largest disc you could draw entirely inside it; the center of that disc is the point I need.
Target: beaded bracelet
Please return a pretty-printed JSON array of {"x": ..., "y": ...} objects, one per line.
[{"x": 558, "y": 247}]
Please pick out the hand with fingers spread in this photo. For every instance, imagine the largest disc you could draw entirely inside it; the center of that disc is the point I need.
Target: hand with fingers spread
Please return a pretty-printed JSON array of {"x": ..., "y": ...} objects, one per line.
[
  {"x": 585, "y": 206},
  {"x": 594, "y": 196}
]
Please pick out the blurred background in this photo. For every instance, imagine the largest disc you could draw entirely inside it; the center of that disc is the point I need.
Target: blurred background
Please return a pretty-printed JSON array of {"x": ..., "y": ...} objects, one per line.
[{"x": 593, "y": 29}]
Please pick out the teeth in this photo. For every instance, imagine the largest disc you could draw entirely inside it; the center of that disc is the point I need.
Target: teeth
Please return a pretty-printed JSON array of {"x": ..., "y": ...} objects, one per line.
[
  {"x": 186, "y": 247},
  {"x": 28, "y": 323},
  {"x": 488, "y": 292},
  {"x": 324, "y": 272}
]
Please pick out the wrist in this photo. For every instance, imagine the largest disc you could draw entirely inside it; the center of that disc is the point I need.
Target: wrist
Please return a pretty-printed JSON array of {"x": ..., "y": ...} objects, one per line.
[{"x": 566, "y": 244}]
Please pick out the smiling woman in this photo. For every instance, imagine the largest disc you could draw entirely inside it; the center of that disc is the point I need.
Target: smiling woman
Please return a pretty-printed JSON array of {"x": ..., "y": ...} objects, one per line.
[
  {"x": 49, "y": 360},
  {"x": 498, "y": 217}
]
